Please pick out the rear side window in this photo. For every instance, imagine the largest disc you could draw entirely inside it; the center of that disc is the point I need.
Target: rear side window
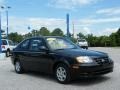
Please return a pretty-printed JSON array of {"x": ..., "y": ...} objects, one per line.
[
  {"x": 25, "y": 45},
  {"x": 4, "y": 42}
]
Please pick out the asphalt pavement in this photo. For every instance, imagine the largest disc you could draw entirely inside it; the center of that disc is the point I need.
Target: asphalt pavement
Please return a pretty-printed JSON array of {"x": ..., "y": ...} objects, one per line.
[{"x": 9, "y": 80}]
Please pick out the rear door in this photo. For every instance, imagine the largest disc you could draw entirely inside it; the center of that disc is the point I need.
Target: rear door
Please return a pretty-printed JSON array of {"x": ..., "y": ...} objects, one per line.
[
  {"x": 22, "y": 53},
  {"x": 39, "y": 60}
]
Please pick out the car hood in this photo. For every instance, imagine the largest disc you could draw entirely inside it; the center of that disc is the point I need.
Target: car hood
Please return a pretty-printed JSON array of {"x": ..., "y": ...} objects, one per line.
[{"x": 80, "y": 52}]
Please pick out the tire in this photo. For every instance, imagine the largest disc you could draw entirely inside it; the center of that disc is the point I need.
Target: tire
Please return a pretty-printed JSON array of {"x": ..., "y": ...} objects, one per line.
[
  {"x": 7, "y": 53},
  {"x": 86, "y": 47},
  {"x": 18, "y": 67},
  {"x": 62, "y": 74}
]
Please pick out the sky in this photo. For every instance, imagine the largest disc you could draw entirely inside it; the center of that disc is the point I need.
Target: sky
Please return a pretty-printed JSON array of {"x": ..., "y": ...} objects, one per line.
[{"x": 99, "y": 17}]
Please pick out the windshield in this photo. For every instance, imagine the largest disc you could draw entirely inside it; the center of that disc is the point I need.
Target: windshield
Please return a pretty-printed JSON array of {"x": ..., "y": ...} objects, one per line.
[
  {"x": 81, "y": 41},
  {"x": 60, "y": 43}
]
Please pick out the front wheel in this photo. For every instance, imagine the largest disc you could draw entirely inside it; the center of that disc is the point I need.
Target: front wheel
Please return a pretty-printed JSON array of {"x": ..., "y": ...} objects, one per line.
[
  {"x": 18, "y": 67},
  {"x": 62, "y": 74}
]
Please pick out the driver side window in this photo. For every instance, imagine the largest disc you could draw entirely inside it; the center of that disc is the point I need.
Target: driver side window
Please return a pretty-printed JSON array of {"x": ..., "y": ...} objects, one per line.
[{"x": 36, "y": 44}]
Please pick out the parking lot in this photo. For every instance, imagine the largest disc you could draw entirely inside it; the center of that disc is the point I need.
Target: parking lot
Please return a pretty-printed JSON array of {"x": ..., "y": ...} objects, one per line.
[{"x": 9, "y": 80}]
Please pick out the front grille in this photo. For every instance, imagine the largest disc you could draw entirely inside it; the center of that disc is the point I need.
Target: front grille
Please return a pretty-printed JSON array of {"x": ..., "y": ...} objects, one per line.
[{"x": 101, "y": 60}]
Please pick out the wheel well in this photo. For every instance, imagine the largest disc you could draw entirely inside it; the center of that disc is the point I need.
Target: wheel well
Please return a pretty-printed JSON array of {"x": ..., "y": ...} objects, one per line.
[
  {"x": 15, "y": 60},
  {"x": 55, "y": 65},
  {"x": 8, "y": 49}
]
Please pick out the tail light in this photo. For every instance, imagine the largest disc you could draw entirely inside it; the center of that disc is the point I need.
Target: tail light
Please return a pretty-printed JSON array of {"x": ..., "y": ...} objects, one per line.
[{"x": 3, "y": 47}]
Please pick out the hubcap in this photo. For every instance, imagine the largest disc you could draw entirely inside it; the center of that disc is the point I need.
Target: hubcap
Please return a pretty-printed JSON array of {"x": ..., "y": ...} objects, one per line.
[
  {"x": 7, "y": 53},
  {"x": 61, "y": 74},
  {"x": 17, "y": 66}
]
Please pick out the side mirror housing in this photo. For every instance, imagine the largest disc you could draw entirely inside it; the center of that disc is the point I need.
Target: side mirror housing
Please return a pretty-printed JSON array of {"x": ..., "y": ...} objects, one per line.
[{"x": 43, "y": 48}]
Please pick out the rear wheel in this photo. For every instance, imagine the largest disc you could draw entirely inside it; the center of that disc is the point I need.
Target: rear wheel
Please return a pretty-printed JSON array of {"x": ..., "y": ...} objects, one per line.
[
  {"x": 7, "y": 53},
  {"x": 62, "y": 73},
  {"x": 18, "y": 67},
  {"x": 86, "y": 47}
]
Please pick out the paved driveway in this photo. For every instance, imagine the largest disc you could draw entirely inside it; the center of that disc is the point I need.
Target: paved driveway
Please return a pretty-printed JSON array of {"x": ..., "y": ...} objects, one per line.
[{"x": 9, "y": 80}]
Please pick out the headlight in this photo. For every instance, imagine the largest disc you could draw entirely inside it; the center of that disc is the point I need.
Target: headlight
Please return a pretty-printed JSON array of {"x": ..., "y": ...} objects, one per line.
[{"x": 84, "y": 59}]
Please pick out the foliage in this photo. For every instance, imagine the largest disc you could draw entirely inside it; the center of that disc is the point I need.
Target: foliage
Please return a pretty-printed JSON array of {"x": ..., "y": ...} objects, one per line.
[
  {"x": 44, "y": 31},
  {"x": 112, "y": 40},
  {"x": 73, "y": 40},
  {"x": 93, "y": 41},
  {"x": 118, "y": 37},
  {"x": 80, "y": 35},
  {"x": 57, "y": 32},
  {"x": 15, "y": 37}
]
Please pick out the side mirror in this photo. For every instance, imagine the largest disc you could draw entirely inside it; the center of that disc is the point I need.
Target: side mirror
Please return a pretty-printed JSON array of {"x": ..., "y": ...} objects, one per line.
[{"x": 43, "y": 48}]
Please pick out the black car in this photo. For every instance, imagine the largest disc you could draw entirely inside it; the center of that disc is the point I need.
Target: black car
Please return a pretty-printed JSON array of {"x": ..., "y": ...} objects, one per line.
[{"x": 59, "y": 56}]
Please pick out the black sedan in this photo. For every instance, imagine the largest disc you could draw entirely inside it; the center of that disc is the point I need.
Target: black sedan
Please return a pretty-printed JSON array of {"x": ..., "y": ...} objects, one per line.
[{"x": 59, "y": 56}]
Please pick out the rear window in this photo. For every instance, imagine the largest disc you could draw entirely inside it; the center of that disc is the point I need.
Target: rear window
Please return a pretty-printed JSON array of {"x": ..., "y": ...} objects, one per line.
[
  {"x": 4, "y": 42},
  {"x": 81, "y": 40}
]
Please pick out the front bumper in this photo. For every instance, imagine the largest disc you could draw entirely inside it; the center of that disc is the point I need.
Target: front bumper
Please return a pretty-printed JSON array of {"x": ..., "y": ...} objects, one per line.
[{"x": 91, "y": 70}]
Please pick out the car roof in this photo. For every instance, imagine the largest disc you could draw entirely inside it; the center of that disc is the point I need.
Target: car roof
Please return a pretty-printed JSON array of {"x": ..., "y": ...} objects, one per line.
[{"x": 46, "y": 37}]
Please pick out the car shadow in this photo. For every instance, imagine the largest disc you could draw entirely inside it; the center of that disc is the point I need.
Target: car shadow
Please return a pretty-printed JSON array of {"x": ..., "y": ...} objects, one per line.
[
  {"x": 76, "y": 82},
  {"x": 40, "y": 75}
]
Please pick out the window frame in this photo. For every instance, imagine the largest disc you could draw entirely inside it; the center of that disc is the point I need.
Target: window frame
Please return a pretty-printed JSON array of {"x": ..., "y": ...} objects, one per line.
[
  {"x": 59, "y": 38},
  {"x": 6, "y": 43},
  {"x": 44, "y": 43},
  {"x": 20, "y": 45}
]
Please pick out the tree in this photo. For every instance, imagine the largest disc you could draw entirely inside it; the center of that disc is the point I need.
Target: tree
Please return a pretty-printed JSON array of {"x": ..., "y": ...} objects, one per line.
[
  {"x": 34, "y": 32},
  {"x": 28, "y": 35},
  {"x": 89, "y": 38},
  {"x": 81, "y": 35},
  {"x": 44, "y": 31},
  {"x": 15, "y": 37},
  {"x": 57, "y": 32},
  {"x": 118, "y": 37},
  {"x": 73, "y": 39},
  {"x": 113, "y": 39},
  {"x": 104, "y": 41}
]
